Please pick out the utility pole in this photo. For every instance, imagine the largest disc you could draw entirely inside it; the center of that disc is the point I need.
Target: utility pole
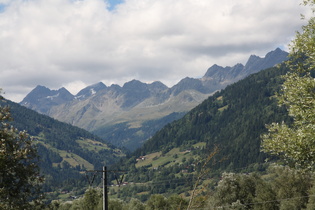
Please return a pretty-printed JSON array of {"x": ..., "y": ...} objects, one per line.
[{"x": 105, "y": 191}]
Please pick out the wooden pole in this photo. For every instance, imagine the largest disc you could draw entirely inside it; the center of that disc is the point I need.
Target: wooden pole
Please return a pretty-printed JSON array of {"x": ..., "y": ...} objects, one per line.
[{"x": 105, "y": 195}]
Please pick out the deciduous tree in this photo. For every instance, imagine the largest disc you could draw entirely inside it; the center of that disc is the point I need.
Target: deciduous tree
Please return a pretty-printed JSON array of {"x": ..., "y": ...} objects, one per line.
[
  {"x": 296, "y": 143},
  {"x": 19, "y": 173}
]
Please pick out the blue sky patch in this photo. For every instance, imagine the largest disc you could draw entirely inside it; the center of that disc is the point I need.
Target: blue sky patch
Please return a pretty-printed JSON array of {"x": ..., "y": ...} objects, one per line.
[
  {"x": 114, "y": 3},
  {"x": 2, "y": 7}
]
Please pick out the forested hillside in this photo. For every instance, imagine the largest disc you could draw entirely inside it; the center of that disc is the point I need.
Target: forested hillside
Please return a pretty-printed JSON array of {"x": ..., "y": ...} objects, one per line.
[
  {"x": 232, "y": 119},
  {"x": 64, "y": 151}
]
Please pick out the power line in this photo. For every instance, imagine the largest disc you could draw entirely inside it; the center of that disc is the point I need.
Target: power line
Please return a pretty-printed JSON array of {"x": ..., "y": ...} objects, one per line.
[
  {"x": 105, "y": 189},
  {"x": 166, "y": 181},
  {"x": 186, "y": 180}
]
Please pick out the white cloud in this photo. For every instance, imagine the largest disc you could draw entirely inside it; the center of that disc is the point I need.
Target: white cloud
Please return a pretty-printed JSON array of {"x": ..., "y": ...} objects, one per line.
[
  {"x": 78, "y": 42},
  {"x": 74, "y": 86}
]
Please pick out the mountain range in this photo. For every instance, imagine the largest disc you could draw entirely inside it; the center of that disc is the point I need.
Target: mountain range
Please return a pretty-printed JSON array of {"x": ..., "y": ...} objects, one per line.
[{"x": 121, "y": 115}]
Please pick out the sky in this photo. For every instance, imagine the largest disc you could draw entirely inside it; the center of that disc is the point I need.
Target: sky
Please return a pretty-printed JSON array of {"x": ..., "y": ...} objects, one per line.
[{"x": 76, "y": 43}]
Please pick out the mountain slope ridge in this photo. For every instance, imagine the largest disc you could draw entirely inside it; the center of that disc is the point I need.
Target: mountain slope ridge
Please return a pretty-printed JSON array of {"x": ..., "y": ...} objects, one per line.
[
  {"x": 233, "y": 119},
  {"x": 136, "y": 102},
  {"x": 64, "y": 150}
]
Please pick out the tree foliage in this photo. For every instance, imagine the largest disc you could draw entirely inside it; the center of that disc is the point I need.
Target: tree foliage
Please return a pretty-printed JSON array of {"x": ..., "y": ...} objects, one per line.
[
  {"x": 91, "y": 199},
  {"x": 19, "y": 172},
  {"x": 296, "y": 143},
  {"x": 281, "y": 188}
]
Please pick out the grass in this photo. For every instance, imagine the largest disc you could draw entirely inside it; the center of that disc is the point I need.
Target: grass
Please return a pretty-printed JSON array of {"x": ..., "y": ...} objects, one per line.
[
  {"x": 148, "y": 159},
  {"x": 97, "y": 146},
  {"x": 170, "y": 158},
  {"x": 73, "y": 159},
  {"x": 220, "y": 98},
  {"x": 223, "y": 108},
  {"x": 92, "y": 145},
  {"x": 200, "y": 144}
]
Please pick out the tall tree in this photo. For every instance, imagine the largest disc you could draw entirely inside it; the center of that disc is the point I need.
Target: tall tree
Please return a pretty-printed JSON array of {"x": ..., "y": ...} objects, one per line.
[
  {"x": 19, "y": 172},
  {"x": 296, "y": 143}
]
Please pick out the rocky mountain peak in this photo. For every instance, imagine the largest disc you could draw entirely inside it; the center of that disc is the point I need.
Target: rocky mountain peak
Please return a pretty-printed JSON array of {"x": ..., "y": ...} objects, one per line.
[
  {"x": 134, "y": 84},
  {"x": 38, "y": 92},
  {"x": 256, "y": 63},
  {"x": 213, "y": 70},
  {"x": 157, "y": 85},
  {"x": 64, "y": 92},
  {"x": 90, "y": 90},
  {"x": 221, "y": 75},
  {"x": 41, "y": 92},
  {"x": 134, "y": 92},
  {"x": 277, "y": 53},
  {"x": 156, "y": 88},
  {"x": 42, "y": 98},
  {"x": 114, "y": 86},
  {"x": 188, "y": 84},
  {"x": 253, "y": 59}
]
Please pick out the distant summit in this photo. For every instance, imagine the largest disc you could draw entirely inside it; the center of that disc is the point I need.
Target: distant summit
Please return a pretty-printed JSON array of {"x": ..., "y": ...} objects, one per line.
[
  {"x": 41, "y": 98},
  {"x": 255, "y": 63},
  {"x": 218, "y": 77},
  {"x": 90, "y": 90},
  {"x": 98, "y": 107}
]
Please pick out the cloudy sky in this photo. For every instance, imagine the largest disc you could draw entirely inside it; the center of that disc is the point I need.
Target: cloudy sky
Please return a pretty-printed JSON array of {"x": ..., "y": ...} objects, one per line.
[{"x": 75, "y": 43}]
